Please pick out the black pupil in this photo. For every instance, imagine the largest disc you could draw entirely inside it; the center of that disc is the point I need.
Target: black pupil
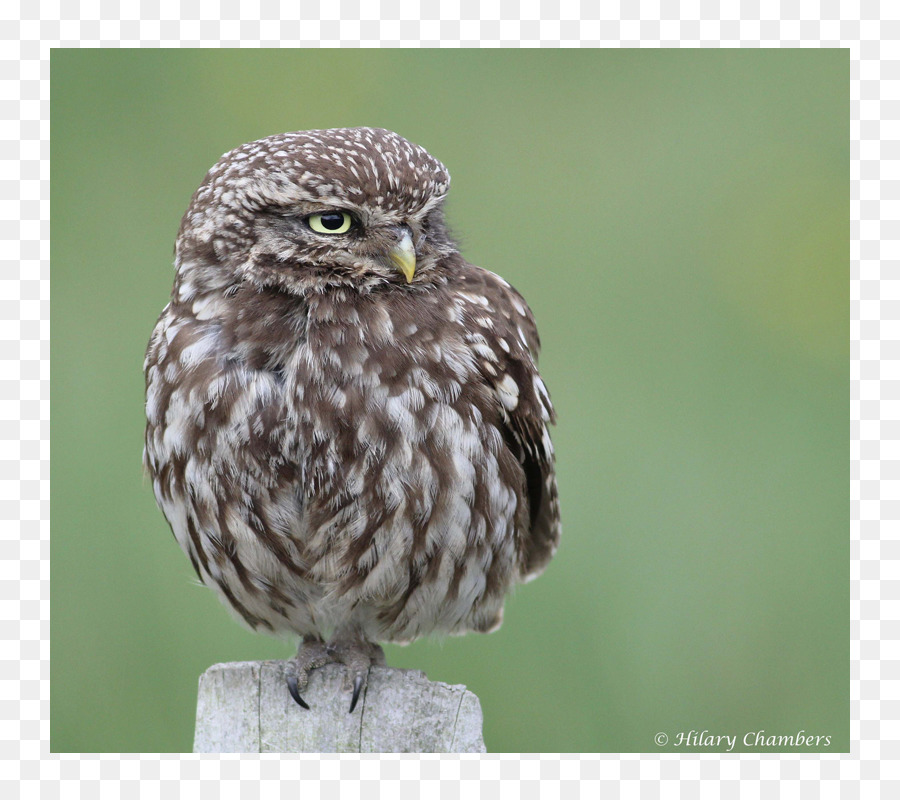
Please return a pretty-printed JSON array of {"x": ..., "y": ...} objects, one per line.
[{"x": 332, "y": 221}]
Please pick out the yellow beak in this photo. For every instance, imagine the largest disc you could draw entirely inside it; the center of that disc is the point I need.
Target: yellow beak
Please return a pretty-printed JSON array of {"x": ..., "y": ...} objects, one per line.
[{"x": 403, "y": 256}]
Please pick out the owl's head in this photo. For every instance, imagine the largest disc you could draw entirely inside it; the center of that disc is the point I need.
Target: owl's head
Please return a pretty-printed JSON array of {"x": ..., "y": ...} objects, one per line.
[{"x": 306, "y": 210}]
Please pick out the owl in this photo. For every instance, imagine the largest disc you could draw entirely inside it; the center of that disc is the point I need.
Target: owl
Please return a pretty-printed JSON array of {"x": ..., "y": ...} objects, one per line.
[{"x": 346, "y": 428}]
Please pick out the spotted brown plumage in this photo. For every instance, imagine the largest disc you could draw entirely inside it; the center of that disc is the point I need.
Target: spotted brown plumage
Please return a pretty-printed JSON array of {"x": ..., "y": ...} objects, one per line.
[{"x": 346, "y": 431}]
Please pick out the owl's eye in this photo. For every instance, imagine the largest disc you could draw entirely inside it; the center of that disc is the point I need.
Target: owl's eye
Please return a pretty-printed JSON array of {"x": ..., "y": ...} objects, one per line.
[{"x": 330, "y": 222}]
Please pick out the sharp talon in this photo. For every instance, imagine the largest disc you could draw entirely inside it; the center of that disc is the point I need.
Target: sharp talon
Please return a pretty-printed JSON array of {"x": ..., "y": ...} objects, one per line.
[
  {"x": 357, "y": 688},
  {"x": 295, "y": 692}
]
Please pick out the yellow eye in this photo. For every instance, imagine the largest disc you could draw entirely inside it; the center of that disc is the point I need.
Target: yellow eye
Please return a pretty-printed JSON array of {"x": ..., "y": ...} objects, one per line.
[{"x": 330, "y": 222}]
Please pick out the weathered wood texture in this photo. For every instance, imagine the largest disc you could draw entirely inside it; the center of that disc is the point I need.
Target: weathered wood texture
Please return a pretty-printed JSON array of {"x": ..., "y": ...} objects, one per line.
[{"x": 245, "y": 707}]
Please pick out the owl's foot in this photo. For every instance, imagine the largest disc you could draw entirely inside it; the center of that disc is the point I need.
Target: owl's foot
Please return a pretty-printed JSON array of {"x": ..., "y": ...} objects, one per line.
[
  {"x": 311, "y": 653},
  {"x": 355, "y": 654}
]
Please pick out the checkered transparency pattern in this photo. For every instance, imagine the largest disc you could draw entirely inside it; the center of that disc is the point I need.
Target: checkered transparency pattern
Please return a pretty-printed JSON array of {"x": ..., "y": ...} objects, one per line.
[
  {"x": 24, "y": 402},
  {"x": 30, "y": 29}
]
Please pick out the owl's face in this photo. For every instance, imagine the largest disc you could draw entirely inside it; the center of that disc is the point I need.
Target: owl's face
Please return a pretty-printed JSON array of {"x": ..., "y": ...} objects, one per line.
[{"x": 302, "y": 211}]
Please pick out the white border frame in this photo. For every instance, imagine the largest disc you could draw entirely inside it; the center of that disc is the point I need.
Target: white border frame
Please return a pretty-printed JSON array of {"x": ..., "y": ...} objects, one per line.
[{"x": 33, "y": 28}]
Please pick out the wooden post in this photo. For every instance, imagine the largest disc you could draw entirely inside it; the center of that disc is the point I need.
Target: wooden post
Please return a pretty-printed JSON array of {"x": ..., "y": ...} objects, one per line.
[{"x": 245, "y": 707}]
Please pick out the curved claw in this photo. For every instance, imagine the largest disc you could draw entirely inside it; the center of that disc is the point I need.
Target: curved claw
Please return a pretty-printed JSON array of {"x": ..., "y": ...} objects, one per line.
[
  {"x": 295, "y": 691},
  {"x": 357, "y": 688}
]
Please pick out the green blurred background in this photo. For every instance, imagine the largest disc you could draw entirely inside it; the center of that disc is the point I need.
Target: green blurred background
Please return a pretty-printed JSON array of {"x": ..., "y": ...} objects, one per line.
[{"x": 679, "y": 223}]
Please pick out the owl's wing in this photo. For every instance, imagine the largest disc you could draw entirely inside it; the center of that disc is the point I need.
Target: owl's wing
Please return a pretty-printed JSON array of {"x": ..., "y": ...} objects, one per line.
[
  {"x": 218, "y": 448},
  {"x": 503, "y": 334}
]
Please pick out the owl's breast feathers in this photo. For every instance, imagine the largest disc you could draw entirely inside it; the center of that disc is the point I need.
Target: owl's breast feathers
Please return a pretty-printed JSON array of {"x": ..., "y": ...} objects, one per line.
[{"x": 384, "y": 454}]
